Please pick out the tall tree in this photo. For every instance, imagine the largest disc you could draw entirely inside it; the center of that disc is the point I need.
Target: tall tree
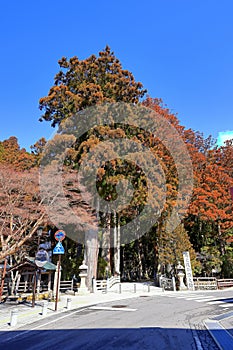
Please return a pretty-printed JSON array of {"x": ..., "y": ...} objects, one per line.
[{"x": 83, "y": 83}]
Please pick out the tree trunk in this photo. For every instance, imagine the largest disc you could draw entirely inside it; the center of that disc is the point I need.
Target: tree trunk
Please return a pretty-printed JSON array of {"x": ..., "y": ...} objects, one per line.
[
  {"x": 117, "y": 244},
  {"x": 91, "y": 256},
  {"x": 106, "y": 241}
]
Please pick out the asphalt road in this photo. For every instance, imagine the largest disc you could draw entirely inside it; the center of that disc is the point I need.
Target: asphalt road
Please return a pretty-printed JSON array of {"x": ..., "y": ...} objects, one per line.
[{"x": 164, "y": 322}]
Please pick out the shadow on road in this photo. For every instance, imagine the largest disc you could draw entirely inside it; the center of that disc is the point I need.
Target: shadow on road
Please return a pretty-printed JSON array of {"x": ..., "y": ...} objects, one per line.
[{"x": 108, "y": 339}]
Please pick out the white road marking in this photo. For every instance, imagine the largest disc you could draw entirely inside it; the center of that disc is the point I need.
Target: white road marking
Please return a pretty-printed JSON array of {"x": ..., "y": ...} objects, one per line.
[
  {"x": 226, "y": 305},
  {"x": 215, "y": 302},
  {"x": 111, "y": 308}
]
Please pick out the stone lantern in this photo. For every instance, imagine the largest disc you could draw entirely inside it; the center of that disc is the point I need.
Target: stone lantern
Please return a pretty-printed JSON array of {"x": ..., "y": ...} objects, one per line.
[
  {"x": 180, "y": 275},
  {"x": 83, "y": 274}
]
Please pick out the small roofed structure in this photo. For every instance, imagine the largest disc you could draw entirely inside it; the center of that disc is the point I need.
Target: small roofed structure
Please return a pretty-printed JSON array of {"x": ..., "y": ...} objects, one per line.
[{"x": 27, "y": 271}]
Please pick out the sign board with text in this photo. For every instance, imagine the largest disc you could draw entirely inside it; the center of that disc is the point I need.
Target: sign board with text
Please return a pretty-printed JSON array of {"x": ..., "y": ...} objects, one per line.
[{"x": 188, "y": 271}]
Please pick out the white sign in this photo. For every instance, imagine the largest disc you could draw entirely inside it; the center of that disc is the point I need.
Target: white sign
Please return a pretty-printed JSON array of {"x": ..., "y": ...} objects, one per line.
[{"x": 188, "y": 271}]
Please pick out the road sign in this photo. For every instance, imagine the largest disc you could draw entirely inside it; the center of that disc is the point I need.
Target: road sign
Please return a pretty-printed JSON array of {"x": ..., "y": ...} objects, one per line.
[
  {"x": 59, "y": 249},
  {"x": 41, "y": 258},
  {"x": 59, "y": 235}
]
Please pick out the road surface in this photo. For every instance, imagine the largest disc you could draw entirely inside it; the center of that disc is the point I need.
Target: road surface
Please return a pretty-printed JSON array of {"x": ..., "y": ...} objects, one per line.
[{"x": 167, "y": 321}]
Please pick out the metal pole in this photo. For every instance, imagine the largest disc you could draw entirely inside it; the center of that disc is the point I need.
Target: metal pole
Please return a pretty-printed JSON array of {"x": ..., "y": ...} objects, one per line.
[
  {"x": 34, "y": 289},
  {"x": 58, "y": 280},
  {"x": 3, "y": 279}
]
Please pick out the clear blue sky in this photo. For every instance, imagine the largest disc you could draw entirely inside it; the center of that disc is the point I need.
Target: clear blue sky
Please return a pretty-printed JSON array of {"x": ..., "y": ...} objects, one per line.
[{"x": 181, "y": 50}]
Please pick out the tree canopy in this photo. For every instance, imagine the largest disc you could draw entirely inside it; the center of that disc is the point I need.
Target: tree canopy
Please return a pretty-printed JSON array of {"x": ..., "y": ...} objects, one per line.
[
  {"x": 206, "y": 229},
  {"x": 83, "y": 83}
]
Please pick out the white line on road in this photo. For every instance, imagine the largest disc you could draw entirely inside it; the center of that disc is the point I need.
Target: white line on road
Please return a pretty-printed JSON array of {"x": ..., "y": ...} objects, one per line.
[
  {"x": 111, "y": 308},
  {"x": 199, "y": 297},
  {"x": 215, "y": 302},
  {"x": 226, "y": 305}
]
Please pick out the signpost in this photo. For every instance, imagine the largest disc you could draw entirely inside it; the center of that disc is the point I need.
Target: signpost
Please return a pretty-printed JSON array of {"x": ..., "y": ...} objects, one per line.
[{"x": 59, "y": 249}]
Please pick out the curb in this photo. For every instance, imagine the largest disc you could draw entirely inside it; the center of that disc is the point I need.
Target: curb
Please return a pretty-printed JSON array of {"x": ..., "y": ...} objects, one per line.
[{"x": 220, "y": 335}]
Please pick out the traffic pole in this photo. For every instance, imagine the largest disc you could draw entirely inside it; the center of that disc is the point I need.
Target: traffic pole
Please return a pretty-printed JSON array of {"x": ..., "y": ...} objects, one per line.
[{"x": 58, "y": 281}]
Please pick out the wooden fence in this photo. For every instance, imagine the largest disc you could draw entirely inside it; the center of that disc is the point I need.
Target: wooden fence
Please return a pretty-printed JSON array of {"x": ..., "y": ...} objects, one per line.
[
  {"x": 201, "y": 283},
  {"x": 225, "y": 283}
]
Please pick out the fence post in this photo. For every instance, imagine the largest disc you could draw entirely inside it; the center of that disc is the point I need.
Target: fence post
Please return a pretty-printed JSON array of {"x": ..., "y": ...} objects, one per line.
[
  {"x": 174, "y": 283},
  {"x": 14, "y": 317},
  {"x": 44, "y": 308},
  {"x": 94, "y": 285},
  {"x": 120, "y": 288},
  {"x": 68, "y": 303}
]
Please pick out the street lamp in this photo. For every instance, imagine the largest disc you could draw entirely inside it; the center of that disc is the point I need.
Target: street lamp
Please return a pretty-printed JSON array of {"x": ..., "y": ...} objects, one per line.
[{"x": 41, "y": 259}]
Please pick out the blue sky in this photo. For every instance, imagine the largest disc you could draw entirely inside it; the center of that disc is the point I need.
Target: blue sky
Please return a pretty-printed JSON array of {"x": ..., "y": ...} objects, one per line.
[{"x": 181, "y": 50}]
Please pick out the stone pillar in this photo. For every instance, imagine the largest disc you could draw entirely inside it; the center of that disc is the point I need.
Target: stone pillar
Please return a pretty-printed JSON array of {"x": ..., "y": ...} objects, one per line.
[
  {"x": 83, "y": 275},
  {"x": 180, "y": 275}
]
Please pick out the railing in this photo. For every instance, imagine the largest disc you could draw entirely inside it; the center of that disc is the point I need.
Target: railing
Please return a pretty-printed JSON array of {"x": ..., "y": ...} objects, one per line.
[
  {"x": 225, "y": 283},
  {"x": 66, "y": 285},
  {"x": 99, "y": 285},
  {"x": 105, "y": 285},
  {"x": 201, "y": 283},
  {"x": 113, "y": 280},
  {"x": 167, "y": 283}
]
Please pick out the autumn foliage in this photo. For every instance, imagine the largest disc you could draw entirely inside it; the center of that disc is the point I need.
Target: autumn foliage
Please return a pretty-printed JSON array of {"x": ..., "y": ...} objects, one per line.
[{"x": 206, "y": 229}]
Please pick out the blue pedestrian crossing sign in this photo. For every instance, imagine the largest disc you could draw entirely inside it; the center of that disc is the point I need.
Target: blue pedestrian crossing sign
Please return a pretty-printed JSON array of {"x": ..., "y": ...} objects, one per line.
[{"x": 59, "y": 249}]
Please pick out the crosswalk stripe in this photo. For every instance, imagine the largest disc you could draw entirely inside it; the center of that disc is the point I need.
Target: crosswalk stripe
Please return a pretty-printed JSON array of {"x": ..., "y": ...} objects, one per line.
[
  {"x": 225, "y": 305},
  {"x": 215, "y": 302},
  {"x": 200, "y": 297},
  {"x": 204, "y": 300}
]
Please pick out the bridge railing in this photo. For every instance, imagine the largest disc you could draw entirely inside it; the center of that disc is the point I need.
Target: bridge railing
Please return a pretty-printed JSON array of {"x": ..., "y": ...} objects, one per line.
[{"x": 106, "y": 284}]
